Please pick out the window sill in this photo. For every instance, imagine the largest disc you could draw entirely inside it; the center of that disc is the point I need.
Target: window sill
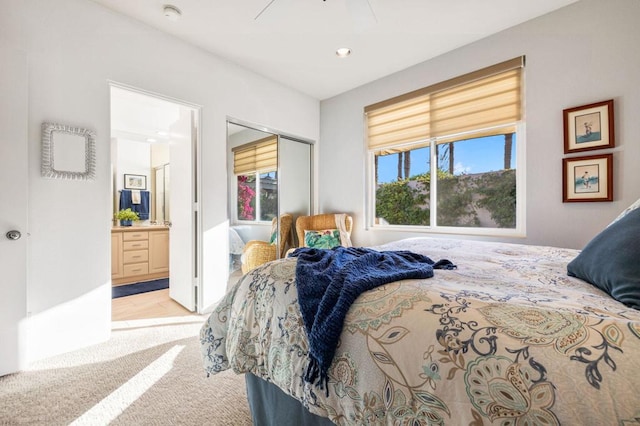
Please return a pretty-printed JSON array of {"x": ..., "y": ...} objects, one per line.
[{"x": 444, "y": 230}]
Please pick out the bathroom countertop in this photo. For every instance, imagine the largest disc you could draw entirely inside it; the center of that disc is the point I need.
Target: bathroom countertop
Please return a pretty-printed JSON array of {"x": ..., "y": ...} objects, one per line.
[{"x": 139, "y": 228}]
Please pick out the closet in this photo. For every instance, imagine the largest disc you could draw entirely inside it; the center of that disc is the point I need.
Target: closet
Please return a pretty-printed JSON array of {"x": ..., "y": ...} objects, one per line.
[{"x": 274, "y": 179}]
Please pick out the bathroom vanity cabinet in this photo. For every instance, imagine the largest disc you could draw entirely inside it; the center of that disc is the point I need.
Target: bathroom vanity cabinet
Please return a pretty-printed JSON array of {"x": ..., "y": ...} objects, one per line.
[{"x": 139, "y": 254}]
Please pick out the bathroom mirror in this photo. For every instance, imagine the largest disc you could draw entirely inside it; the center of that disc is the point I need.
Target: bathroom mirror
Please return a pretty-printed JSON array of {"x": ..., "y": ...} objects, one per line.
[
  {"x": 67, "y": 152},
  {"x": 160, "y": 212}
]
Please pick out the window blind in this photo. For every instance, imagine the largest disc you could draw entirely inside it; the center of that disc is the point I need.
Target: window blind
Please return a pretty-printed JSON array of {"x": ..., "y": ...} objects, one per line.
[
  {"x": 490, "y": 97},
  {"x": 259, "y": 155}
]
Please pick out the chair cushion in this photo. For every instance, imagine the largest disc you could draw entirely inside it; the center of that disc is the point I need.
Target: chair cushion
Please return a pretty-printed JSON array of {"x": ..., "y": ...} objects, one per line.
[
  {"x": 326, "y": 238},
  {"x": 274, "y": 231},
  {"x": 610, "y": 260}
]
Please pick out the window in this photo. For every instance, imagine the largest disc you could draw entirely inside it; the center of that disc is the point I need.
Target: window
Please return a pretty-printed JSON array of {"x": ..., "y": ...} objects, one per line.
[
  {"x": 255, "y": 166},
  {"x": 445, "y": 156}
]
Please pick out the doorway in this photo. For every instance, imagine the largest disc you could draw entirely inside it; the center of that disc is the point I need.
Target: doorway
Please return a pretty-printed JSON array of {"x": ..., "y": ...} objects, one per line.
[{"x": 154, "y": 166}]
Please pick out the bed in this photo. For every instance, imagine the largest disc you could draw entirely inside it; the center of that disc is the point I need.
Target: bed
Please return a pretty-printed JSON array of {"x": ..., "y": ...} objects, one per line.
[{"x": 506, "y": 338}]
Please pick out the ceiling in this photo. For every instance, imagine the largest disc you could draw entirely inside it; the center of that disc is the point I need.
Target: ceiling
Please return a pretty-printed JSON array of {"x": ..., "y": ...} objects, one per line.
[
  {"x": 142, "y": 118},
  {"x": 294, "y": 41}
]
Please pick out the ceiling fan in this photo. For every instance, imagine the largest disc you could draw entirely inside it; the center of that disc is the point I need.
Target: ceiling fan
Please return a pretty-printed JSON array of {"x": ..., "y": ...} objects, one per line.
[{"x": 360, "y": 11}]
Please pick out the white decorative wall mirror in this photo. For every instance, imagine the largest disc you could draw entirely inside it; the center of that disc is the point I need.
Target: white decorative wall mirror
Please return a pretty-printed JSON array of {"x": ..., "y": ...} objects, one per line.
[{"x": 68, "y": 152}]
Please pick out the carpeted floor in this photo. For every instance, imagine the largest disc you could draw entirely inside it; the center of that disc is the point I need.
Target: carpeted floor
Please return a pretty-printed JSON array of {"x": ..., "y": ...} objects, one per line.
[{"x": 148, "y": 373}]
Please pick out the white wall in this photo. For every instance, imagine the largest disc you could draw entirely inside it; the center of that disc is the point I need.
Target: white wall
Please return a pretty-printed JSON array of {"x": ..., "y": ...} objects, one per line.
[
  {"x": 584, "y": 53},
  {"x": 134, "y": 158},
  {"x": 74, "y": 48},
  {"x": 159, "y": 154}
]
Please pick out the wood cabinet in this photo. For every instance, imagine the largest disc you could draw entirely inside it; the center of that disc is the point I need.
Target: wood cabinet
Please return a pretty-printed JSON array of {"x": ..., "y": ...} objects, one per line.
[
  {"x": 139, "y": 254},
  {"x": 159, "y": 256},
  {"x": 116, "y": 255}
]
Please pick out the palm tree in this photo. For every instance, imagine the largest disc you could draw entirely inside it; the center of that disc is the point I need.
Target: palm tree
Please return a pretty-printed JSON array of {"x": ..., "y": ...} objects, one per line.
[
  {"x": 446, "y": 155},
  {"x": 508, "y": 143},
  {"x": 407, "y": 164},
  {"x": 376, "y": 168},
  {"x": 404, "y": 164}
]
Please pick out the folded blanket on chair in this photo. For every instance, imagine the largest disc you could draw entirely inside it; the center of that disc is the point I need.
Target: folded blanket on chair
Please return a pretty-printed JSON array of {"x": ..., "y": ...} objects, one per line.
[{"x": 330, "y": 280}]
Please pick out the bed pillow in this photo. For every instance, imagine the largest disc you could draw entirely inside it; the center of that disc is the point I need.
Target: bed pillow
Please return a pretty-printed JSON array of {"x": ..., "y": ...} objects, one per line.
[
  {"x": 324, "y": 239},
  {"x": 611, "y": 260},
  {"x": 626, "y": 211}
]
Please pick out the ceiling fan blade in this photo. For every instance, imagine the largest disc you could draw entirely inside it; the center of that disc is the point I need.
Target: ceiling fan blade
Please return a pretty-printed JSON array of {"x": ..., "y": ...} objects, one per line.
[
  {"x": 263, "y": 10},
  {"x": 362, "y": 14}
]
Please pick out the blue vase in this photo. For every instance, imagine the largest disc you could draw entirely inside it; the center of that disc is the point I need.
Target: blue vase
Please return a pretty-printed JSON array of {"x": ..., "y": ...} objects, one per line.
[{"x": 124, "y": 222}]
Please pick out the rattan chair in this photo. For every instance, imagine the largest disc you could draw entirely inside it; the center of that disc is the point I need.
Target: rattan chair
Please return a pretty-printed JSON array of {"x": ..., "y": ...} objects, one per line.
[
  {"x": 319, "y": 222},
  {"x": 257, "y": 252}
]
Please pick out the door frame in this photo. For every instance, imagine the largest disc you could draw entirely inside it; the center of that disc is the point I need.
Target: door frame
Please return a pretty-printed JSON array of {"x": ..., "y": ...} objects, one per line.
[
  {"x": 14, "y": 146},
  {"x": 196, "y": 186}
]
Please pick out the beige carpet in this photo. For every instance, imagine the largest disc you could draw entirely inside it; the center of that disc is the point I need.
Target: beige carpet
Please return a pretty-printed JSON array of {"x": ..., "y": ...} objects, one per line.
[{"x": 146, "y": 374}]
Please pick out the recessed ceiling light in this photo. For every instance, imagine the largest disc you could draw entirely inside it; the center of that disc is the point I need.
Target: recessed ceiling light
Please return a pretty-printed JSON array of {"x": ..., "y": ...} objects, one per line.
[
  {"x": 152, "y": 140},
  {"x": 343, "y": 52},
  {"x": 171, "y": 12},
  {"x": 162, "y": 133}
]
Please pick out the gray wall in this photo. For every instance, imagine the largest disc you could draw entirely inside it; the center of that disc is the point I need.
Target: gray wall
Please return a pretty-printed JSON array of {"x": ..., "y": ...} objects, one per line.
[{"x": 584, "y": 53}]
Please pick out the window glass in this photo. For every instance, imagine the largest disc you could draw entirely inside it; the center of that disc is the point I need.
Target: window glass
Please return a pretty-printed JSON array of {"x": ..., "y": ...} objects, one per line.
[
  {"x": 252, "y": 207},
  {"x": 268, "y": 196},
  {"x": 246, "y": 197},
  {"x": 402, "y": 187},
  {"x": 475, "y": 183}
]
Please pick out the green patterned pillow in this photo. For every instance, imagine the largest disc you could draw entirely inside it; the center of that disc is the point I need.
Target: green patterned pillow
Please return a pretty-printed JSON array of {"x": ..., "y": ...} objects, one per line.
[{"x": 325, "y": 239}]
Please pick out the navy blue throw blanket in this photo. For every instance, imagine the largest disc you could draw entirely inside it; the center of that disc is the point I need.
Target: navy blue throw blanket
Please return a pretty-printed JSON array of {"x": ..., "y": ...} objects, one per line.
[{"x": 330, "y": 280}]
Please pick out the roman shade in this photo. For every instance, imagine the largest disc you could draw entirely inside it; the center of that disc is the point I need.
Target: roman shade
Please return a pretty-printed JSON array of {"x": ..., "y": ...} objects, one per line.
[
  {"x": 452, "y": 110},
  {"x": 260, "y": 155}
]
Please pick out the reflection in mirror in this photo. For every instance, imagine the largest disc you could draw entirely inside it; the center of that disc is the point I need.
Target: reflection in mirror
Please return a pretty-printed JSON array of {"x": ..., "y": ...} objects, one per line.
[
  {"x": 160, "y": 187},
  {"x": 270, "y": 185},
  {"x": 253, "y": 196},
  {"x": 160, "y": 183},
  {"x": 67, "y": 152},
  {"x": 294, "y": 159},
  {"x": 255, "y": 164}
]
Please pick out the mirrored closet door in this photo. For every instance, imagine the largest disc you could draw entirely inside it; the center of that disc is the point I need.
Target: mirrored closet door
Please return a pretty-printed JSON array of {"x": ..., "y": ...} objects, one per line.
[{"x": 270, "y": 185}]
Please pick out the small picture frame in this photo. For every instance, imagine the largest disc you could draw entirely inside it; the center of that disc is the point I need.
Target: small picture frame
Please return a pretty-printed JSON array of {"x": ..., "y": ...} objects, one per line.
[
  {"x": 589, "y": 127},
  {"x": 135, "y": 181},
  {"x": 587, "y": 178}
]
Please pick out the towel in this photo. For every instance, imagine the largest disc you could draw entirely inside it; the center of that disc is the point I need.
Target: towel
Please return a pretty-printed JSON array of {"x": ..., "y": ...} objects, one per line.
[
  {"x": 143, "y": 208},
  {"x": 126, "y": 202},
  {"x": 125, "y": 199},
  {"x": 135, "y": 196},
  {"x": 330, "y": 280}
]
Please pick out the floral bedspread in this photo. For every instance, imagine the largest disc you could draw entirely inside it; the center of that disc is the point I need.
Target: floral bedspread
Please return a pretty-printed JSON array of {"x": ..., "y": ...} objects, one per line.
[{"x": 506, "y": 339}]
